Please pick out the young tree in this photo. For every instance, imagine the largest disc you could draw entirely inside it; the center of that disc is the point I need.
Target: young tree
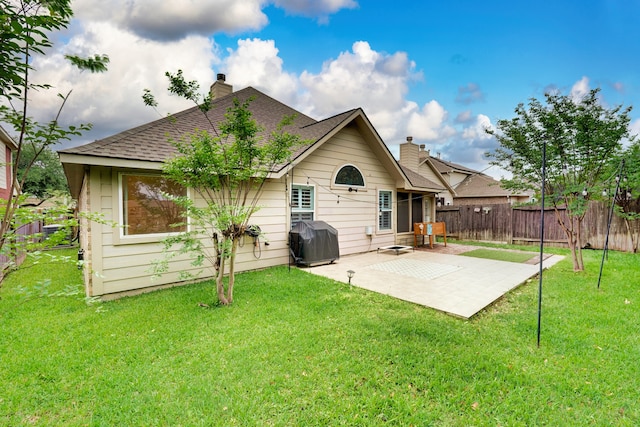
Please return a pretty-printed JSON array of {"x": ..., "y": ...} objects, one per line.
[
  {"x": 227, "y": 166},
  {"x": 45, "y": 176},
  {"x": 627, "y": 199},
  {"x": 581, "y": 137},
  {"x": 25, "y": 28}
]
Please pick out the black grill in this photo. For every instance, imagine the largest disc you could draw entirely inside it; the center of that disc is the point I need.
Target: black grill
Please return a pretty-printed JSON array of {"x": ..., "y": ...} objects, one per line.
[{"x": 313, "y": 243}]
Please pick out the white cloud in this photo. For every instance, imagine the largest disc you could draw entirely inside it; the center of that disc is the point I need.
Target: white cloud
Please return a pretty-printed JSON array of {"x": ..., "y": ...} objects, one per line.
[
  {"x": 429, "y": 123},
  {"x": 477, "y": 130},
  {"x": 360, "y": 78},
  {"x": 256, "y": 63},
  {"x": 315, "y": 7},
  {"x": 173, "y": 20},
  {"x": 378, "y": 82},
  {"x": 464, "y": 117},
  {"x": 112, "y": 100},
  {"x": 580, "y": 89}
]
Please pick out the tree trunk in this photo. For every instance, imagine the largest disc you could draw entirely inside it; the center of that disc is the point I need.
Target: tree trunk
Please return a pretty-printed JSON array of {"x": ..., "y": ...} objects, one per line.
[
  {"x": 571, "y": 239},
  {"x": 579, "y": 244},
  {"x": 220, "y": 284},
  {"x": 232, "y": 269},
  {"x": 632, "y": 235}
]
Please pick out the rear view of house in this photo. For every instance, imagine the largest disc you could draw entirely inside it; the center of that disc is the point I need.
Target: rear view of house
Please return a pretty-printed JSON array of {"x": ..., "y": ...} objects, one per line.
[{"x": 345, "y": 176}]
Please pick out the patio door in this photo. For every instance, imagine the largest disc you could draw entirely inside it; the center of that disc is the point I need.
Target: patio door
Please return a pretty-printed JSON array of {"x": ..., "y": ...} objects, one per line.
[
  {"x": 416, "y": 209},
  {"x": 410, "y": 210}
]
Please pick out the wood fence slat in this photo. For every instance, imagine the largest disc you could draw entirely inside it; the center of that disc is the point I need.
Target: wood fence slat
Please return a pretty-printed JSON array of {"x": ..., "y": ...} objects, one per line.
[{"x": 505, "y": 223}]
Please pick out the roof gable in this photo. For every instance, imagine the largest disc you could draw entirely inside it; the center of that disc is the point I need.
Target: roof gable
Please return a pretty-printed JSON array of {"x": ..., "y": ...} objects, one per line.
[
  {"x": 150, "y": 145},
  {"x": 151, "y": 141}
]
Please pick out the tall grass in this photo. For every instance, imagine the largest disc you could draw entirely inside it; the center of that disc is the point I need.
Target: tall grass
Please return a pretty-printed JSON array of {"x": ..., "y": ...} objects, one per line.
[{"x": 298, "y": 349}]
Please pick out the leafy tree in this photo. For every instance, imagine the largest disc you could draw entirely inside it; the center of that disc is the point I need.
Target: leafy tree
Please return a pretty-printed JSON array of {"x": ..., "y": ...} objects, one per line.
[
  {"x": 581, "y": 137},
  {"x": 45, "y": 176},
  {"x": 227, "y": 166},
  {"x": 627, "y": 199},
  {"x": 25, "y": 28}
]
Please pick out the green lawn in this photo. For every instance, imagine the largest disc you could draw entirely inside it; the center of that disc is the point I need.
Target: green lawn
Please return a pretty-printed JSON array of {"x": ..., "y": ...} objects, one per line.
[
  {"x": 500, "y": 255},
  {"x": 298, "y": 349}
]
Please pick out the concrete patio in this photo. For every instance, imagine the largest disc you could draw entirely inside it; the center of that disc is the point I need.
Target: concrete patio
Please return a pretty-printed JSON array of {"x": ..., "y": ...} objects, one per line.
[{"x": 458, "y": 285}]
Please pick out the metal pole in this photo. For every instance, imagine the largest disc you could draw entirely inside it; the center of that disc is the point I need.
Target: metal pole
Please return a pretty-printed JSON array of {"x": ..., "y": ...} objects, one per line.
[
  {"x": 613, "y": 203},
  {"x": 544, "y": 171}
]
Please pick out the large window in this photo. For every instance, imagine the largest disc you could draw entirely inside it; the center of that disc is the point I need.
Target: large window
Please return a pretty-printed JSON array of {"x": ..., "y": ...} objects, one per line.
[
  {"x": 145, "y": 207},
  {"x": 349, "y": 175},
  {"x": 302, "y": 205},
  {"x": 385, "y": 200}
]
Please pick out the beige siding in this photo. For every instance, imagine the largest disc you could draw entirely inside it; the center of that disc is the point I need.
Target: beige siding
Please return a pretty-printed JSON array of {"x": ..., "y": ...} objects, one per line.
[
  {"x": 123, "y": 265},
  {"x": 119, "y": 266},
  {"x": 355, "y": 210},
  {"x": 85, "y": 233}
]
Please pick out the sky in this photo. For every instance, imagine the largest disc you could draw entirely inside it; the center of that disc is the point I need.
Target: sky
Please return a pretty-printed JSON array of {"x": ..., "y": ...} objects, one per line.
[{"x": 439, "y": 71}]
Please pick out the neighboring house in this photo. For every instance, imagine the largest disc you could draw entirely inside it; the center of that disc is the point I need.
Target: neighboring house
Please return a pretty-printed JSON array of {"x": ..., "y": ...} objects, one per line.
[
  {"x": 346, "y": 176},
  {"x": 7, "y": 147},
  {"x": 464, "y": 186}
]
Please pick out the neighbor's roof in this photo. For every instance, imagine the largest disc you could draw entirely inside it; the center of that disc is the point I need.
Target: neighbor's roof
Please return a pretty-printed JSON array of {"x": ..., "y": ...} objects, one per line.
[
  {"x": 418, "y": 180},
  {"x": 481, "y": 185},
  {"x": 444, "y": 166},
  {"x": 7, "y": 140}
]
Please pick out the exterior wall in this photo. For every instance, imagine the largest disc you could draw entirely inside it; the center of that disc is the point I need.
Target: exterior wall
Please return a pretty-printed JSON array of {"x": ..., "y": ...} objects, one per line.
[
  {"x": 465, "y": 201},
  {"x": 116, "y": 265},
  {"x": 348, "y": 212},
  {"x": 428, "y": 173},
  {"x": 84, "y": 233},
  {"x": 5, "y": 171},
  {"x": 456, "y": 178}
]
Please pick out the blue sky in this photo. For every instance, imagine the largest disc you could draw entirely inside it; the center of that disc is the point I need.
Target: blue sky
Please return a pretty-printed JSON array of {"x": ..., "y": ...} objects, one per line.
[{"x": 438, "y": 71}]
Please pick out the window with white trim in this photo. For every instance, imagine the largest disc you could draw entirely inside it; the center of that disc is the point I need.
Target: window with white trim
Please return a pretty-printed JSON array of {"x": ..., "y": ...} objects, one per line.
[
  {"x": 349, "y": 175},
  {"x": 145, "y": 208},
  {"x": 385, "y": 203},
  {"x": 302, "y": 203}
]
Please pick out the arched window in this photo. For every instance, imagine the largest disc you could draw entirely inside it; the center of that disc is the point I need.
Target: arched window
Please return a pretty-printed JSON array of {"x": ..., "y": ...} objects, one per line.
[{"x": 349, "y": 175}]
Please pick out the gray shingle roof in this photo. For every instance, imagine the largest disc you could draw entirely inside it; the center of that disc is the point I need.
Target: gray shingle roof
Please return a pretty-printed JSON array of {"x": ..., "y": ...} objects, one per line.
[
  {"x": 418, "y": 180},
  {"x": 481, "y": 185},
  {"x": 150, "y": 142},
  {"x": 444, "y": 166}
]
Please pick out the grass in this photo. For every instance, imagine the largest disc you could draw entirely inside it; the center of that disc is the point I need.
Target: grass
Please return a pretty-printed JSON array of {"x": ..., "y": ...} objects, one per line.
[
  {"x": 297, "y": 349},
  {"x": 500, "y": 255}
]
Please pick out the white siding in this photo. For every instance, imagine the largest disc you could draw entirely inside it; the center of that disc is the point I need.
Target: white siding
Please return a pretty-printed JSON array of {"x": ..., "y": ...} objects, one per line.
[{"x": 4, "y": 166}]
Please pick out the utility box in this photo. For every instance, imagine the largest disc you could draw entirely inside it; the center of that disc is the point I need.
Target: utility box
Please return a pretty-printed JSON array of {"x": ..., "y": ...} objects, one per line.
[{"x": 313, "y": 243}]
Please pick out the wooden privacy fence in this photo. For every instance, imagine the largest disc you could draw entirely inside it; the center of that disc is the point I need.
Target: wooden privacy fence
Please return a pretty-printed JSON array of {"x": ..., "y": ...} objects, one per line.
[
  {"x": 17, "y": 258},
  {"x": 505, "y": 223}
]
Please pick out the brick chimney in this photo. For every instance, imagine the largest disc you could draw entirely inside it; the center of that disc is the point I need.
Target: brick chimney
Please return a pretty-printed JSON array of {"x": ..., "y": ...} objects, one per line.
[
  {"x": 409, "y": 153},
  {"x": 219, "y": 88}
]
